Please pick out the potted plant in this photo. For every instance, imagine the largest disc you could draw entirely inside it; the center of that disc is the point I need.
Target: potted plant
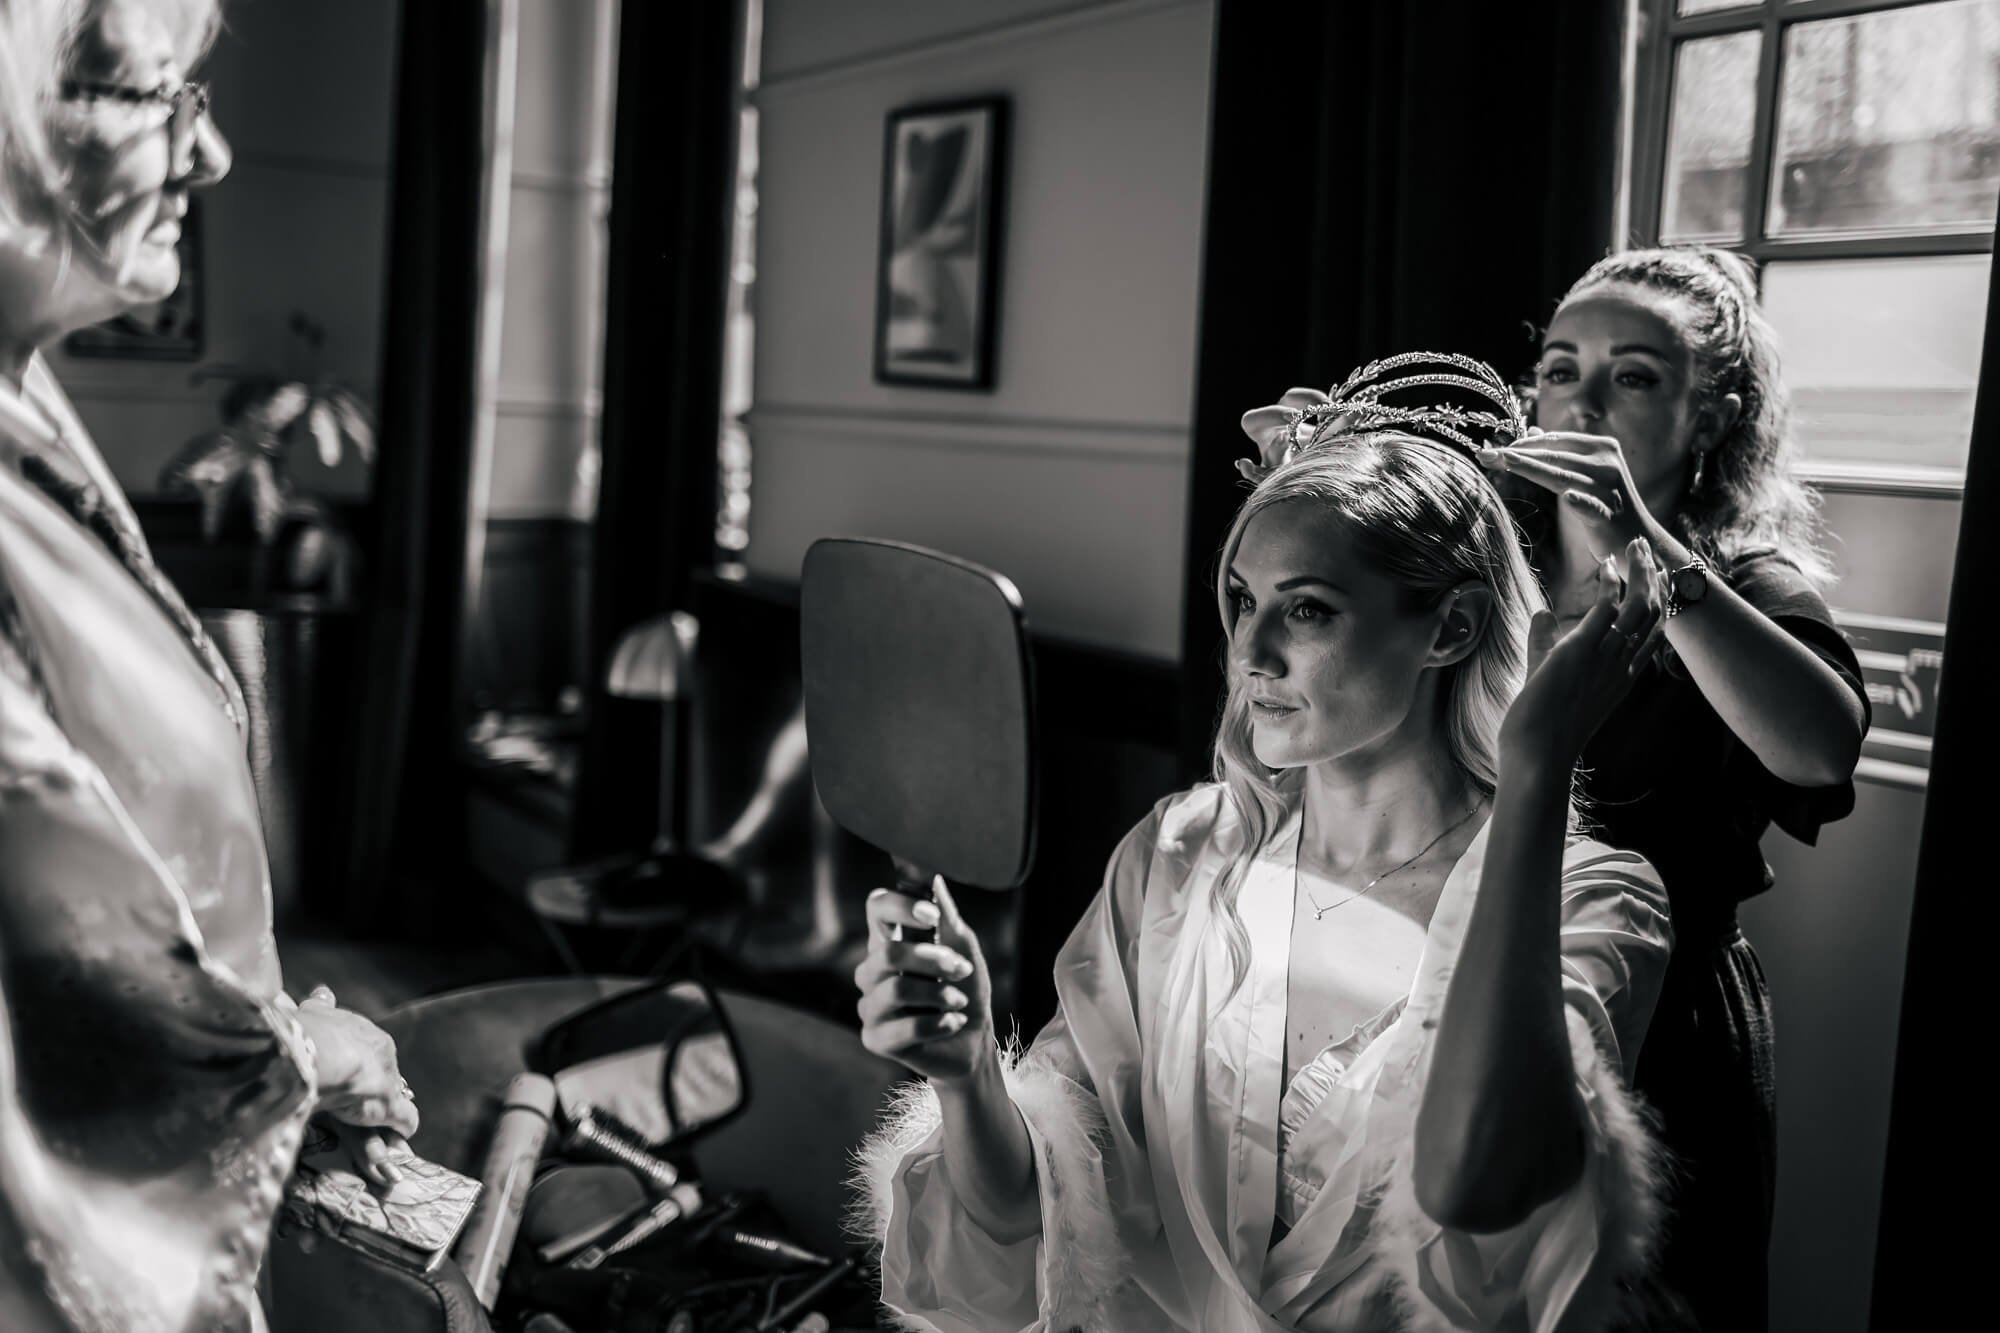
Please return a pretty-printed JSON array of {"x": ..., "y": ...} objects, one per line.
[{"x": 240, "y": 474}]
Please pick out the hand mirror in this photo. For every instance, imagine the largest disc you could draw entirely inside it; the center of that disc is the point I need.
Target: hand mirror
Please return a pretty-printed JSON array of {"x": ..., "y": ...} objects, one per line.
[{"x": 920, "y": 709}]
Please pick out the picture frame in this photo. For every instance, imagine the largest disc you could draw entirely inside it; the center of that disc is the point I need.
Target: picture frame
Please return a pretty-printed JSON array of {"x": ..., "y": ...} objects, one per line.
[
  {"x": 168, "y": 330},
  {"x": 937, "y": 277}
]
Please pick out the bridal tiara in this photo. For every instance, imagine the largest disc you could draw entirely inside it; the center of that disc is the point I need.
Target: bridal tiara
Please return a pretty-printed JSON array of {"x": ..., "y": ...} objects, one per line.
[{"x": 1355, "y": 408}]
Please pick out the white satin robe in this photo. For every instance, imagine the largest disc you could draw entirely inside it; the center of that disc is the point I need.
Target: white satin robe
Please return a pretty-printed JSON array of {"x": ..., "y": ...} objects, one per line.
[
  {"x": 1152, "y": 1101},
  {"x": 154, "y": 1085}
]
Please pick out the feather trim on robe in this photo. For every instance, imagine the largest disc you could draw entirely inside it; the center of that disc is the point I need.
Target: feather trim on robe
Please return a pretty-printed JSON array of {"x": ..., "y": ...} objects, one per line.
[
  {"x": 1169, "y": 1099},
  {"x": 1081, "y": 1264},
  {"x": 1622, "y": 1162}
]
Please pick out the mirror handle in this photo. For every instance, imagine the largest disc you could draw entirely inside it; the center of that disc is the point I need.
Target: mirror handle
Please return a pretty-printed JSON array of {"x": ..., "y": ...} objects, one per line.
[{"x": 915, "y": 881}]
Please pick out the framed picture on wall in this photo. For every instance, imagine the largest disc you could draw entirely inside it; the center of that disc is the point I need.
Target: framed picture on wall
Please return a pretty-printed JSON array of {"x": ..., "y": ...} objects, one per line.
[
  {"x": 168, "y": 330},
  {"x": 937, "y": 278}
]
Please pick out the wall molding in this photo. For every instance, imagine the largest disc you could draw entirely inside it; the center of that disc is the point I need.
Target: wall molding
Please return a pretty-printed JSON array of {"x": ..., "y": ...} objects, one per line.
[
  {"x": 594, "y": 180},
  {"x": 547, "y": 409},
  {"x": 1887, "y": 773},
  {"x": 1895, "y": 624},
  {"x": 115, "y": 391},
  {"x": 960, "y": 44},
  {"x": 1135, "y": 441},
  {"x": 309, "y": 164},
  {"x": 1931, "y": 483}
]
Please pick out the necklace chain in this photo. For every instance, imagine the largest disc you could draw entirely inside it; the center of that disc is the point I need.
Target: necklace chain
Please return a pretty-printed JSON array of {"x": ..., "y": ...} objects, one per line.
[{"x": 1319, "y": 913}]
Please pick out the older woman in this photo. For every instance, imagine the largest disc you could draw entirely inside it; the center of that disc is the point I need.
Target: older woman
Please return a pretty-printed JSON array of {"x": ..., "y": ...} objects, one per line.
[{"x": 154, "y": 1076}]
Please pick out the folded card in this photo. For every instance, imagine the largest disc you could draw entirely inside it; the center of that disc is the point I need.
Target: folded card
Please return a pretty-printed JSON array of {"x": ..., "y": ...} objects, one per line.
[{"x": 413, "y": 1222}]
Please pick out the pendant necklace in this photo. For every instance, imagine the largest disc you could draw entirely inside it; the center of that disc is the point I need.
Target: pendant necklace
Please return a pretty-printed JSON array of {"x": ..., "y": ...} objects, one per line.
[{"x": 1319, "y": 913}]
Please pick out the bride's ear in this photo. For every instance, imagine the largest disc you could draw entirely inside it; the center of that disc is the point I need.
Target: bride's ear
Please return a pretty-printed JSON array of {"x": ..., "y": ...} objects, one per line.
[{"x": 1461, "y": 624}]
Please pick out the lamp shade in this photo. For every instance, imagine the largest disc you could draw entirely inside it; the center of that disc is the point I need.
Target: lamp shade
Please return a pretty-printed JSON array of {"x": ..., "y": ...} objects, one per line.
[{"x": 653, "y": 658}]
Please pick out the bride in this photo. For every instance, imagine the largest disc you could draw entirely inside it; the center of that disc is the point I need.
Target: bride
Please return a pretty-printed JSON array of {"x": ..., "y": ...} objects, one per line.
[{"x": 1344, "y": 1040}]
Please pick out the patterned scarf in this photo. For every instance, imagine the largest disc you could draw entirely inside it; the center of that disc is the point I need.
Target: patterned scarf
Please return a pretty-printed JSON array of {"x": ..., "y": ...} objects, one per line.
[{"x": 60, "y": 469}]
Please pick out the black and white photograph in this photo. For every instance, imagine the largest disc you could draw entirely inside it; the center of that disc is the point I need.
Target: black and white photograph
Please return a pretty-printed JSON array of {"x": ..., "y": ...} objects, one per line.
[
  {"x": 935, "y": 315},
  {"x": 165, "y": 330},
  {"x": 996, "y": 666}
]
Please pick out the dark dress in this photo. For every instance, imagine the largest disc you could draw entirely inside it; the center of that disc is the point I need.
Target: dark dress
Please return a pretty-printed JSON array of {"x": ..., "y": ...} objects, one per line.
[{"x": 1665, "y": 777}]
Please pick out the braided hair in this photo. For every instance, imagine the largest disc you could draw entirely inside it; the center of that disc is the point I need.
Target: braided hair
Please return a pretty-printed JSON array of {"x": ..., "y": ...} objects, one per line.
[{"x": 1749, "y": 495}]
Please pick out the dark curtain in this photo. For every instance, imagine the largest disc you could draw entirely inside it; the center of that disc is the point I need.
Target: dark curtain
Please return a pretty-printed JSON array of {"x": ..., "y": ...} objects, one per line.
[
  {"x": 1932, "y": 1218},
  {"x": 671, "y": 199},
  {"x": 406, "y": 823},
  {"x": 1384, "y": 175}
]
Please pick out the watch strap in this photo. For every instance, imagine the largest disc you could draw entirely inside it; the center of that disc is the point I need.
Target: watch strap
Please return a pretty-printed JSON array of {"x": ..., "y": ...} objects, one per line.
[{"x": 1675, "y": 602}]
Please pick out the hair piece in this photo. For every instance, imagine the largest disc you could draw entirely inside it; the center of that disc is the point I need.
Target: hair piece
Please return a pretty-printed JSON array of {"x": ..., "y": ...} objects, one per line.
[{"x": 1355, "y": 407}]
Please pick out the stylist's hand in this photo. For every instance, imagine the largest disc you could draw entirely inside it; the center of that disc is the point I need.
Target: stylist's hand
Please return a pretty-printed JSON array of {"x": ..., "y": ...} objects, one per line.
[
  {"x": 1589, "y": 475},
  {"x": 1576, "y": 680},
  {"x": 355, "y": 1061},
  {"x": 929, "y": 1007}
]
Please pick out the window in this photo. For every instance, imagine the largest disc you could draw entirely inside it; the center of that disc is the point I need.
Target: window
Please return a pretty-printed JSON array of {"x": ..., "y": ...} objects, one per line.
[
  {"x": 732, "y": 498},
  {"x": 1854, "y": 149}
]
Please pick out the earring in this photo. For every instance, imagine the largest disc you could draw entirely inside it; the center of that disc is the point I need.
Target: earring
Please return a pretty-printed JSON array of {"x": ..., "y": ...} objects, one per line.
[{"x": 1694, "y": 482}]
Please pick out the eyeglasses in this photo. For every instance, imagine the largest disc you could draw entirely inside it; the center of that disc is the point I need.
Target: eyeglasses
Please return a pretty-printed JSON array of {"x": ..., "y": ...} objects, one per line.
[{"x": 186, "y": 104}]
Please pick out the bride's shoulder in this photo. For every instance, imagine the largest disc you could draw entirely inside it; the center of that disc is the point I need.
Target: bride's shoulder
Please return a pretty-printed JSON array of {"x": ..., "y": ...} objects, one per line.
[{"x": 1202, "y": 819}]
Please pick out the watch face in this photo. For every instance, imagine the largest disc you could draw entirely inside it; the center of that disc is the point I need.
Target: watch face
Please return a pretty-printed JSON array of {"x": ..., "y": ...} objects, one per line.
[{"x": 1689, "y": 585}]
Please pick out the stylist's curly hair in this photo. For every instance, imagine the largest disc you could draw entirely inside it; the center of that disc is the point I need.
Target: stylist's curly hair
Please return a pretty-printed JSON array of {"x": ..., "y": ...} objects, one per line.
[{"x": 1749, "y": 496}]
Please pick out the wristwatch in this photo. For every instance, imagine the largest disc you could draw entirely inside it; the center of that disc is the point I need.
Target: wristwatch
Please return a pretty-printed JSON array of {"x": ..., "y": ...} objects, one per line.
[{"x": 1686, "y": 585}]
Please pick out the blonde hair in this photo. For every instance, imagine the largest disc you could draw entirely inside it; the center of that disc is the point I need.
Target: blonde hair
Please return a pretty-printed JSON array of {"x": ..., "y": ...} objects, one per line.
[
  {"x": 1422, "y": 514},
  {"x": 39, "y": 42}
]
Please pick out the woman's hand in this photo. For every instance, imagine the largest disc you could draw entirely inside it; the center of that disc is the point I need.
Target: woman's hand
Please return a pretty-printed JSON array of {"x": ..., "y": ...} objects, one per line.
[
  {"x": 1589, "y": 474},
  {"x": 927, "y": 1006},
  {"x": 355, "y": 1061},
  {"x": 1574, "y": 681}
]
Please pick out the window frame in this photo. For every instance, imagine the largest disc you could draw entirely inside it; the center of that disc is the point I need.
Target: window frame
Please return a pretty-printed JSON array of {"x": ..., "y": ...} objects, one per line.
[{"x": 1662, "y": 33}]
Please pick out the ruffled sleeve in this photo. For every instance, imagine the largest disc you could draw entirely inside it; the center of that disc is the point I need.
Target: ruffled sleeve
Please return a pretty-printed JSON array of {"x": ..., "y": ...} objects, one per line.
[
  {"x": 1777, "y": 588},
  {"x": 939, "y": 1269},
  {"x": 1561, "y": 1268}
]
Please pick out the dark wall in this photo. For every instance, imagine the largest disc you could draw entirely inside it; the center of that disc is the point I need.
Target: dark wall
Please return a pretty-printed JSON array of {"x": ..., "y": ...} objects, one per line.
[{"x": 527, "y": 642}]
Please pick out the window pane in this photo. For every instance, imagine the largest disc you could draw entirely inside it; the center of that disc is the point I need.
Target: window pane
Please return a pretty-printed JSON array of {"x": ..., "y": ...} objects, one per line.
[
  {"x": 1708, "y": 150},
  {"x": 1882, "y": 355},
  {"x": 1890, "y": 122},
  {"x": 1710, "y": 6}
]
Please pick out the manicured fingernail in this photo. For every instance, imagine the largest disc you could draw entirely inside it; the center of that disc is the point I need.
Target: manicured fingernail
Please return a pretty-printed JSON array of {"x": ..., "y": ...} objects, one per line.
[
  {"x": 954, "y": 1022},
  {"x": 926, "y": 913},
  {"x": 954, "y": 998}
]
